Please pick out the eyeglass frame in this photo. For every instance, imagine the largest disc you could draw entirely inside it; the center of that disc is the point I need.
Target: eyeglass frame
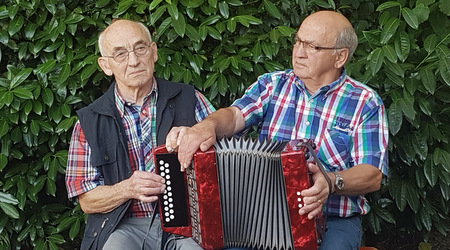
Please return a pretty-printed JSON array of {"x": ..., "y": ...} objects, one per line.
[
  {"x": 147, "y": 46},
  {"x": 315, "y": 48}
]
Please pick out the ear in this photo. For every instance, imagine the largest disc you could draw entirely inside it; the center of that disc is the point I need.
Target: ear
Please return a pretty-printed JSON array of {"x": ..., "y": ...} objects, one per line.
[
  {"x": 154, "y": 50},
  {"x": 341, "y": 58},
  {"x": 104, "y": 65}
]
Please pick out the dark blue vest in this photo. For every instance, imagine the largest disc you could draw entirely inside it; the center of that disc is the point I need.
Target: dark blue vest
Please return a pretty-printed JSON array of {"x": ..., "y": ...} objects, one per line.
[{"x": 105, "y": 133}]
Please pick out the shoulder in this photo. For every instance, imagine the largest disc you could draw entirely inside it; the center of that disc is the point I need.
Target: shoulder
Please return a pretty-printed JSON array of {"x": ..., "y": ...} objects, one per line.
[
  {"x": 166, "y": 85},
  {"x": 277, "y": 76},
  {"x": 358, "y": 88}
]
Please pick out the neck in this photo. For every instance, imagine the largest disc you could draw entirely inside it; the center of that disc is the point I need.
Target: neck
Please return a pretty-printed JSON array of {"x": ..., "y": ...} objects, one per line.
[
  {"x": 314, "y": 84},
  {"x": 134, "y": 95}
]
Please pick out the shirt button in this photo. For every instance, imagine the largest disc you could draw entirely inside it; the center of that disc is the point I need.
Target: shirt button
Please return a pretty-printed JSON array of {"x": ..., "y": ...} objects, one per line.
[
  {"x": 148, "y": 157},
  {"x": 307, "y": 123},
  {"x": 106, "y": 158}
]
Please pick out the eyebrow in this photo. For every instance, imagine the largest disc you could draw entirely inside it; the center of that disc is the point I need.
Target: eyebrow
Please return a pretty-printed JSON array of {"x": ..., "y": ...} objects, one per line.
[{"x": 134, "y": 45}]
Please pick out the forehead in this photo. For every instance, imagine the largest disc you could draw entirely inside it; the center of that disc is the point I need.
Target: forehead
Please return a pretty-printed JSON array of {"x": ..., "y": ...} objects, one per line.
[
  {"x": 124, "y": 34},
  {"x": 314, "y": 31}
]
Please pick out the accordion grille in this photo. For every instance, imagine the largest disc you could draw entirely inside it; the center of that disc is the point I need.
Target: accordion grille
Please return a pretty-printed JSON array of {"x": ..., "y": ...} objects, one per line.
[{"x": 252, "y": 194}]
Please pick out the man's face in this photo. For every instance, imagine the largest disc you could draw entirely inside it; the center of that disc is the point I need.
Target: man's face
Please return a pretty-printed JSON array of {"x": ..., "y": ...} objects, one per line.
[
  {"x": 127, "y": 41},
  {"x": 309, "y": 59}
]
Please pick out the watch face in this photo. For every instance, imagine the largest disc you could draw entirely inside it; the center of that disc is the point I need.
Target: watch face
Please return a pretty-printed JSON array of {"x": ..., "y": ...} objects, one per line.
[{"x": 339, "y": 183}]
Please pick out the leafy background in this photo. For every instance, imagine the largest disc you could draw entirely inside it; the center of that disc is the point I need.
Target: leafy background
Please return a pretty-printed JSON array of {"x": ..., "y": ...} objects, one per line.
[{"x": 48, "y": 70}]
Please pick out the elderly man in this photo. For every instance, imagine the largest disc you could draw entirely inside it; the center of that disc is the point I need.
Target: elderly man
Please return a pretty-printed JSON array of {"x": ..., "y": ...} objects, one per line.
[
  {"x": 316, "y": 100},
  {"x": 110, "y": 167}
]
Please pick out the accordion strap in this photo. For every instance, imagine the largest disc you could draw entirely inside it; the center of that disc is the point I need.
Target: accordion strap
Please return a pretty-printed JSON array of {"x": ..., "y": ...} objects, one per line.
[{"x": 321, "y": 168}]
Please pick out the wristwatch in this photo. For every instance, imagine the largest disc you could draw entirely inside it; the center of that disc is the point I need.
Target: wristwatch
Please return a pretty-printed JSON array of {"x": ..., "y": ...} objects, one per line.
[{"x": 338, "y": 182}]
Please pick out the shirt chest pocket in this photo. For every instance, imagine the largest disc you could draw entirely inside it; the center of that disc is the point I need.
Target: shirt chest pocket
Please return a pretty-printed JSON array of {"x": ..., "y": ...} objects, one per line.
[
  {"x": 103, "y": 155},
  {"x": 335, "y": 149}
]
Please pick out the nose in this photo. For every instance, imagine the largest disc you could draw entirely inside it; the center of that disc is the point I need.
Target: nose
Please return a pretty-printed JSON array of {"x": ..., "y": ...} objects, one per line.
[
  {"x": 299, "y": 51},
  {"x": 133, "y": 59}
]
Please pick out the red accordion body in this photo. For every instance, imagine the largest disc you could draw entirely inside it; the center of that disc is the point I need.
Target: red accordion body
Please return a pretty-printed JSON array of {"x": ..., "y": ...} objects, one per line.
[{"x": 235, "y": 196}]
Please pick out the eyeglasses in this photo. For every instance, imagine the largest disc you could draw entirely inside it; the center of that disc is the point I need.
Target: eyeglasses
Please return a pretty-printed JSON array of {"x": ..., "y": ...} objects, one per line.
[
  {"x": 121, "y": 55},
  {"x": 311, "y": 48}
]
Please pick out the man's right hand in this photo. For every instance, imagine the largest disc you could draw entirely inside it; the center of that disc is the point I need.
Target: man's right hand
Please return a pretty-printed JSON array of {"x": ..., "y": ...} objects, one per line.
[{"x": 186, "y": 141}]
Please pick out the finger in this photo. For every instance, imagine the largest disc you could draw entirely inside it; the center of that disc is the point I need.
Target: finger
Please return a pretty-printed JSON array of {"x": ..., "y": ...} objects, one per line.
[
  {"x": 172, "y": 139},
  {"x": 207, "y": 144},
  {"x": 180, "y": 135},
  {"x": 145, "y": 198},
  {"x": 145, "y": 178}
]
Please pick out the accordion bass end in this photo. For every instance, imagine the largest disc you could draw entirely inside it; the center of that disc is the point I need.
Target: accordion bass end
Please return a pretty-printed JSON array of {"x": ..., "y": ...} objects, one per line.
[{"x": 240, "y": 193}]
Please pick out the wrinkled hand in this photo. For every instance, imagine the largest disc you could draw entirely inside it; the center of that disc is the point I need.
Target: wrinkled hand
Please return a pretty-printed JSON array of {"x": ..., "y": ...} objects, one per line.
[
  {"x": 145, "y": 186},
  {"x": 315, "y": 196},
  {"x": 188, "y": 140}
]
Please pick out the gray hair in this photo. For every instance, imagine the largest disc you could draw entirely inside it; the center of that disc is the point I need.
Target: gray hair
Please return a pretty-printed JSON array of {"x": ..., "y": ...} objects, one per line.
[
  {"x": 102, "y": 35},
  {"x": 347, "y": 38}
]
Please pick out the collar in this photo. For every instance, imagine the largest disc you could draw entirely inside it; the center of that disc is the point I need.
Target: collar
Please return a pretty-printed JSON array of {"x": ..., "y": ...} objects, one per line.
[
  {"x": 121, "y": 103},
  {"x": 325, "y": 90}
]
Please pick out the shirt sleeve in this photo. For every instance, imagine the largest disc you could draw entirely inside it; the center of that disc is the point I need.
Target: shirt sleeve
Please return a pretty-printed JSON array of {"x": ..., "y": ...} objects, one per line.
[
  {"x": 81, "y": 176},
  {"x": 371, "y": 137},
  {"x": 255, "y": 100},
  {"x": 203, "y": 107}
]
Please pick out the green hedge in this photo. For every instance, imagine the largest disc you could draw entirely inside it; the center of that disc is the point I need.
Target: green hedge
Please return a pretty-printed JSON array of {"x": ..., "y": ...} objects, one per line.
[{"x": 48, "y": 70}]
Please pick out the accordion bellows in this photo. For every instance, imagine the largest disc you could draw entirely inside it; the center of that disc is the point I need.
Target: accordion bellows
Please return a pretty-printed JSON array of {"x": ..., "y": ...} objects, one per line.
[{"x": 240, "y": 193}]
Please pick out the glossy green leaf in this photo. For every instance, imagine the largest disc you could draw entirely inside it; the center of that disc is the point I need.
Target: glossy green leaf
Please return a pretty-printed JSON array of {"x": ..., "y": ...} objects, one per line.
[
  {"x": 47, "y": 96},
  {"x": 15, "y": 25},
  {"x": 66, "y": 223},
  {"x": 9, "y": 210},
  {"x": 407, "y": 106},
  {"x": 410, "y": 18},
  {"x": 20, "y": 77},
  {"x": 154, "y": 4},
  {"x": 444, "y": 63},
  {"x": 426, "y": 218},
  {"x": 8, "y": 198},
  {"x": 430, "y": 171},
  {"x": 389, "y": 53},
  {"x": 400, "y": 196},
  {"x": 444, "y": 6},
  {"x": 45, "y": 67},
  {"x": 123, "y": 6},
  {"x": 442, "y": 157},
  {"x": 3, "y": 161},
  {"x": 64, "y": 74},
  {"x": 4, "y": 128},
  {"x": 30, "y": 30},
  {"x": 179, "y": 25},
  {"x": 224, "y": 9},
  {"x": 74, "y": 229},
  {"x": 395, "y": 118},
  {"x": 22, "y": 93},
  {"x": 402, "y": 46},
  {"x": 56, "y": 239},
  {"x": 389, "y": 29},
  {"x": 425, "y": 106},
  {"x": 272, "y": 9},
  {"x": 430, "y": 43},
  {"x": 428, "y": 79},
  {"x": 376, "y": 60}
]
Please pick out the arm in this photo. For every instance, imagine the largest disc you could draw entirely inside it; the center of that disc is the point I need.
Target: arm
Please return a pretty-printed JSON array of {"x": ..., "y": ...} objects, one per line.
[
  {"x": 82, "y": 181},
  {"x": 141, "y": 185},
  {"x": 358, "y": 180},
  {"x": 224, "y": 122}
]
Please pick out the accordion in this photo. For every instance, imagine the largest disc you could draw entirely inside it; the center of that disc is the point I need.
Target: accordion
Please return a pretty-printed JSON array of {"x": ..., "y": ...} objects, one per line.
[{"x": 240, "y": 193}]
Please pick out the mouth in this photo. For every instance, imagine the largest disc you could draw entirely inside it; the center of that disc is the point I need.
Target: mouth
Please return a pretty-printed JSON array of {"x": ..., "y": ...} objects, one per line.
[{"x": 138, "y": 72}]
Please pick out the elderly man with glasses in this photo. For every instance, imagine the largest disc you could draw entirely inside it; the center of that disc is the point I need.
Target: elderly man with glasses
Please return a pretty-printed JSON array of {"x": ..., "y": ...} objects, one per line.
[
  {"x": 315, "y": 100},
  {"x": 110, "y": 168}
]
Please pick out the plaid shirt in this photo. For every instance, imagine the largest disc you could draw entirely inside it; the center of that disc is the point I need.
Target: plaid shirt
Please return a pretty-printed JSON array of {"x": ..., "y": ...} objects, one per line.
[
  {"x": 346, "y": 119},
  {"x": 140, "y": 127}
]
